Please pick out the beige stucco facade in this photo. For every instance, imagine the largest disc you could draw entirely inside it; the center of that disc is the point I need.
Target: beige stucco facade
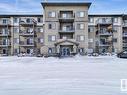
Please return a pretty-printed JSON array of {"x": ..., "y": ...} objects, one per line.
[{"x": 63, "y": 28}]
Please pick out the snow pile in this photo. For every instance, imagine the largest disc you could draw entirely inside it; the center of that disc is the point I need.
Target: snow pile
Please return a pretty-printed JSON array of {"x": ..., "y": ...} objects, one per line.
[{"x": 68, "y": 76}]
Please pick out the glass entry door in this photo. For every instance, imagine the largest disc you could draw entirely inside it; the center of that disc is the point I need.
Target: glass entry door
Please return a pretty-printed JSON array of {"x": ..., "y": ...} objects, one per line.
[{"x": 65, "y": 51}]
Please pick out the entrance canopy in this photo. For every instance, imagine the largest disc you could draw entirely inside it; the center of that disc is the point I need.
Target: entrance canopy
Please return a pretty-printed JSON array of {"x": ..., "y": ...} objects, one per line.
[{"x": 66, "y": 42}]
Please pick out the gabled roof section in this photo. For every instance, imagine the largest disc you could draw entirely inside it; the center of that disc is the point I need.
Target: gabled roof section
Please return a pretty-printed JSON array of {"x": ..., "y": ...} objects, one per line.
[
  {"x": 66, "y": 4},
  {"x": 66, "y": 40}
]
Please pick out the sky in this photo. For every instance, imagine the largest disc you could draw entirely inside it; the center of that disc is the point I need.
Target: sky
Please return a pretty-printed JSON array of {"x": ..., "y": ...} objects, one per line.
[{"x": 34, "y": 6}]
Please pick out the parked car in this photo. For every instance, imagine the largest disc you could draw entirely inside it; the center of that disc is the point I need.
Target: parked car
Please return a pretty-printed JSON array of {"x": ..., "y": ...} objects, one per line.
[
  {"x": 122, "y": 54},
  {"x": 95, "y": 54}
]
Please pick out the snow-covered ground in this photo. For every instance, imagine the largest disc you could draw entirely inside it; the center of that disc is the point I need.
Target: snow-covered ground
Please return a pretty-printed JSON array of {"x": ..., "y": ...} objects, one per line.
[{"x": 67, "y": 76}]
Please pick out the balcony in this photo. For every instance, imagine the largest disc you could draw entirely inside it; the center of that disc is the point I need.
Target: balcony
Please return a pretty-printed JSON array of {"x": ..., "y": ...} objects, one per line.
[
  {"x": 3, "y": 44},
  {"x": 64, "y": 17},
  {"x": 124, "y": 44},
  {"x": 125, "y": 23},
  {"x": 5, "y": 22},
  {"x": 125, "y": 34},
  {"x": 4, "y": 34},
  {"x": 105, "y": 33},
  {"x": 67, "y": 30},
  {"x": 27, "y": 22},
  {"x": 104, "y": 44},
  {"x": 104, "y": 21},
  {"x": 26, "y": 44},
  {"x": 26, "y": 33}
]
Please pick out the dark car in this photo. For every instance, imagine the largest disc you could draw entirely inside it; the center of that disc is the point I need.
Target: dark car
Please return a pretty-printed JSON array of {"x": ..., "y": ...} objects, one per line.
[{"x": 122, "y": 54}]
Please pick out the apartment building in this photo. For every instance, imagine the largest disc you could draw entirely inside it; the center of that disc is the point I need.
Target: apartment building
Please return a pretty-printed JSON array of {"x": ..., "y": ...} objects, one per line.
[
  {"x": 21, "y": 34},
  {"x": 64, "y": 29}
]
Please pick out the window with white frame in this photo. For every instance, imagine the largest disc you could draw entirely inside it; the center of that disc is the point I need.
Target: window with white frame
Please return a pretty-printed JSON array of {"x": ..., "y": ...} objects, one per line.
[
  {"x": 51, "y": 14},
  {"x": 40, "y": 40},
  {"x": 16, "y": 30},
  {"x": 81, "y": 50},
  {"x": 80, "y": 26},
  {"x": 15, "y": 20},
  {"x": 50, "y": 50},
  {"x": 80, "y": 38},
  {"x": 51, "y": 38},
  {"x": 115, "y": 20},
  {"x": 16, "y": 51},
  {"x": 81, "y": 14},
  {"x": 16, "y": 41},
  {"x": 115, "y": 29},
  {"x": 40, "y": 29},
  {"x": 5, "y": 21},
  {"x": 39, "y": 19},
  {"x": 90, "y": 40},
  {"x": 51, "y": 26},
  {"x": 91, "y": 29},
  {"x": 91, "y": 19}
]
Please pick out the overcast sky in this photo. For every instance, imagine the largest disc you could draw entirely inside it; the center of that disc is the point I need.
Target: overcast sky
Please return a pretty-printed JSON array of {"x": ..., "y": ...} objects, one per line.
[{"x": 34, "y": 6}]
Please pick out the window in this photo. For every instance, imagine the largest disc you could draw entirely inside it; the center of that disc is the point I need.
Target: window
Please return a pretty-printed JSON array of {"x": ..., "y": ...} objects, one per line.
[
  {"x": 115, "y": 29},
  {"x": 80, "y": 26},
  {"x": 115, "y": 20},
  {"x": 40, "y": 29},
  {"x": 29, "y": 30},
  {"x": 51, "y": 26},
  {"x": 51, "y": 38},
  {"x": 51, "y": 14},
  {"x": 91, "y": 29},
  {"x": 4, "y": 21},
  {"x": 30, "y": 41},
  {"x": 30, "y": 51},
  {"x": 115, "y": 40},
  {"x": 16, "y": 51},
  {"x": 90, "y": 40},
  {"x": 16, "y": 30},
  {"x": 39, "y": 19},
  {"x": 15, "y": 20},
  {"x": 81, "y": 14},
  {"x": 28, "y": 20},
  {"x": 50, "y": 50},
  {"x": 5, "y": 31},
  {"x": 40, "y": 40},
  {"x": 91, "y": 20},
  {"x": 80, "y": 38},
  {"x": 81, "y": 50},
  {"x": 16, "y": 41}
]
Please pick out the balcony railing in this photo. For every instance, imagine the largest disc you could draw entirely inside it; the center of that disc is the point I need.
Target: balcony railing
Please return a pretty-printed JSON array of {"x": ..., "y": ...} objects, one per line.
[
  {"x": 105, "y": 33},
  {"x": 24, "y": 43},
  {"x": 104, "y": 44},
  {"x": 2, "y": 44},
  {"x": 26, "y": 21},
  {"x": 5, "y": 34},
  {"x": 124, "y": 34},
  {"x": 67, "y": 17},
  {"x": 26, "y": 33},
  {"x": 124, "y": 44},
  {"x": 104, "y": 21},
  {"x": 67, "y": 30},
  {"x": 8, "y": 22}
]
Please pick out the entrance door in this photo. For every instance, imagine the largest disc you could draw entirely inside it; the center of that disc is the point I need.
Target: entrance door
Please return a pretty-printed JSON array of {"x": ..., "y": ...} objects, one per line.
[{"x": 65, "y": 51}]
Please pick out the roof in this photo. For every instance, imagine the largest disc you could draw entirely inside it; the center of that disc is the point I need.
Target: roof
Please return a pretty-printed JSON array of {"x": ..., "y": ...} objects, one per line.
[
  {"x": 41, "y": 15},
  {"x": 66, "y": 4},
  {"x": 21, "y": 15},
  {"x": 106, "y": 15}
]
